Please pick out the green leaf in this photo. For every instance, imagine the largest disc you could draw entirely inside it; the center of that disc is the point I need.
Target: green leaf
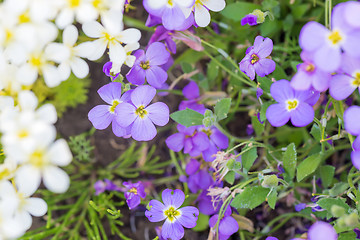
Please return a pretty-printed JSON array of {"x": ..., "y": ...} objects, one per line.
[
  {"x": 265, "y": 83},
  {"x": 327, "y": 174},
  {"x": 272, "y": 198},
  {"x": 202, "y": 223},
  {"x": 187, "y": 117},
  {"x": 327, "y": 203},
  {"x": 338, "y": 189},
  {"x": 230, "y": 177},
  {"x": 248, "y": 157},
  {"x": 299, "y": 10},
  {"x": 263, "y": 109},
  {"x": 186, "y": 67},
  {"x": 236, "y": 11},
  {"x": 347, "y": 236},
  {"x": 250, "y": 198},
  {"x": 289, "y": 160},
  {"x": 258, "y": 127},
  {"x": 222, "y": 108},
  {"x": 270, "y": 28},
  {"x": 308, "y": 166},
  {"x": 315, "y": 132},
  {"x": 279, "y": 73}
]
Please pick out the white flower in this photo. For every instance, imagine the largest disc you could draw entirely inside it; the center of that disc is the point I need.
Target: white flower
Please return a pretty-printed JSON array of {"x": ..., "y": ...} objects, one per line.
[
  {"x": 130, "y": 59},
  {"x": 78, "y": 66},
  {"x": 201, "y": 12},
  {"x": 7, "y": 169},
  {"x": 156, "y": 4},
  {"x": 24, "y": 204},
  {"x": 42, "y": 164},
  {"x": 108, "y": 37},
  {"x": 81, "y": 10}
]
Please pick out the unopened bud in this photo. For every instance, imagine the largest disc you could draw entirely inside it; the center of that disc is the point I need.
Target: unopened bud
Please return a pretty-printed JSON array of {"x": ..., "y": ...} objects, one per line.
[
  {"x": 352, "y": 220},
  {"x": 270, "y": 181},
  {"x": 337, "y": 211}
]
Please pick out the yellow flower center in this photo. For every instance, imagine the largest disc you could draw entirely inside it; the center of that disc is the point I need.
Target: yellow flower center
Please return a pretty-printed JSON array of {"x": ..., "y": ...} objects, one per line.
[
  {"x": 145, "y": 65},
  {"x": 36, "y": 61},
  {"x": 133, "y": 190},
  {"x": 4, "y": 174},
  {"x": 23, "y": 133},
  {"x": 108, "y": 37},
  {"x": 335, "y": 37},
  {"x": 24, "y": 18},
  {"x": 171, "y": 213},
  {"x": 310, "y": 68},
  {"x": 170, "y": 3},
  {"x": 141, "y": 112},
  {"x": 38, "y": 159},
  {"x": 74, "y": 3},
  {"x": 254, "y": 59},
  {"x": 8, "y": 35},
  {"x": 292, "y": 104},
  {"x": 114, "y": 105},
  {"x": 356, "y": 81},
  {"x": 207, "y": 132},
  {"x": 98, "y": 4}
]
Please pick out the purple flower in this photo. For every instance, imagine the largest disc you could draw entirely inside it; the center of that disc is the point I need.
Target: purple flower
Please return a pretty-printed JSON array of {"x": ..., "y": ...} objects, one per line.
[
  {"x": 300, "y": 207},
  {"x": 192, "y": 92},
  {"x": 162, "y": 34},
  {"x": 249, "y": 19},
  {"x": 135, "y": 191},
  {"x": 206, "y": 205},
  {"x": 192, "y": 141},
  {"x": 256, "y": 59},
  {"x": 322, "y": 231},
  {"x": 352, "y": 126},
  {"x": 309, "y": 75},
  {"x": 292, "y": 105},
  {"x": 102, "y": 115},
  {"x": 106, "y": 69},
  {"x": 99, "y": 187},
  {"x": 259, "y": 92},
  {"x": 217, "y": 141},
  {"x": 249, "y": 129},
  {"x": 152, "y": 20},
  {"x": 227, "y": 226},
  {"x": 199, "y": 179},
  {"x": 140, "y": 117},
  {"x": 271, "y": 238},
  {"x": 147, "y": 65},
  {"x": 327, "y": 45},
  {"x": 357, "y": 231},
  {"x": 176, "y": 218},
  {"x": 111, "y": 186},
  {"x": 342, "y": 85}
]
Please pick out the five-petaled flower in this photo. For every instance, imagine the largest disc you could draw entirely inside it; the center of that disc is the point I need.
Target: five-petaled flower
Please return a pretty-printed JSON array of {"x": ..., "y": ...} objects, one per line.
[
  {"x": 135, "y": 191},
  {"x": 176, "y": 218}
]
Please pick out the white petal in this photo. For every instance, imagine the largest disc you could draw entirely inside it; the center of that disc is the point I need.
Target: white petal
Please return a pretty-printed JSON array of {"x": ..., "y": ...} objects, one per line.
[
  {"x": 24, "y": 219},
  {"x": 117, "y": 53},
  {"x": 128, "y": 36},
  {"x": 27, "y": 100},
  {"x": 95, "y": 49},
  {"x": 55, "y": 179},
  {"x": 70, "y": 35},
  {"x": 57, "y": 52},
  {"x": 79, "y": 67},
  {"x": 214, "y": 5},
  {"x": 51, "y": 75},
  {"x": 36, "y": 207},
  {"x": 86, "y": 13},
  {"x": 65, "y": 18},
  {"x": 113, "y": 21},
  {"x": 47, "y": 113},
  {"x": 64, "y": 70},
  {"x": 93, "y": 29},
  {"x": 202, "y": 16},
  {"x": 156, "y": 4},
  {"x": 27, "y": 179},
  {"x": 59, "y": 153},
  {"x": 26, "y": 74}
]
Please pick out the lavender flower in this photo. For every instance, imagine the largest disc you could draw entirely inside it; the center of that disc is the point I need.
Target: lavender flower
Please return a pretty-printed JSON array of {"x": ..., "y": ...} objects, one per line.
[
  {"x": 309, "y": 75},
  {"x": 249, "y": 19},
  {"x": 352, "y": 126},
  {"x": 147, "y": 66},
  {"x": 217, "y": 141},
  {"x": 300, "y": 207},
  {"x": 227, "y": 226},
  {"x": 271, "y": 238},
  {"x": 256, "y": 59},
  {"x": 327, "y": 45},
  {"x": 99, "y": 187},
  {"x": 102, "y": 115},
  {"x": 192, "y": 141},
  {"x": 199, "y": 179},
  {"x": 206, "y": 205},
  {"x": 162, "y": 34},
  {"x": 292, "y": 104},
  {"x": 140, "y": 117},
  {"x": 106, "y": 69},
  {"x": 135, "y": 191},
  {"x": 176, "y": 218},
  {"x": 192, "y": 93},
  {"x": 342, "y": 85},
  {"x": 322, "y": 231}
]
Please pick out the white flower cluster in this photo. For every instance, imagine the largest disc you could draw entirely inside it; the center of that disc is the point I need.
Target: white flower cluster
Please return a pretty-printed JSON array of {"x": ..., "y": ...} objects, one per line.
[{"x": 30, "y": 48}]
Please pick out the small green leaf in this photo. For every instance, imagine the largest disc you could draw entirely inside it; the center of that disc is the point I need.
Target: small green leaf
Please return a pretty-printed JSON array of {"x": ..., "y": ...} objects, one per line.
[
  {"x": 308, "y": 166},
  {"x": 279, "y": 73},
  {"x": 250, "y": 198},
  {"x": 263, "y": 109},
  {"x": 265, "y": 83},
  {"x": 327, "y": 203},
  {"x": 230, "y": 177},
  {"x": 258, "y": 127},
  {"x": 187, "y": 117},
  {"x": 315, "y": 132},
  {"x": 236, "y": 11},
  {"x": 347, "y": 236},
  {"x": 289, "y": 160},
  {"x": 202, "y": 223},
  {"x": 186, "y": 67},
  {"x": 248, "y": 157},
  {"x": 338, "y": 189},
  {"x": 222, "y": 108},
  {"x": 327, "y": 175},
  {"x": 272, "y": 198}
]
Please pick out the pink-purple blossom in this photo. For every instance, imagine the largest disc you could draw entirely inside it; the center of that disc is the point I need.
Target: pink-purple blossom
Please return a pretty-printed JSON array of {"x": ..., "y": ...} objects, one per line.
[
  {"x": 102, "y": 116},
  {"x": 141, "y": 118},
  {"x": 249, "y": 19},
  {"x": 134, "y": 193},
  {"x": 257, "y": 58},
  {"x": 291, "y": 105},
  {"x": 322, "y": 231},
  {"x": 176, "y": 218},
  {"x": 148, "y": 66}
]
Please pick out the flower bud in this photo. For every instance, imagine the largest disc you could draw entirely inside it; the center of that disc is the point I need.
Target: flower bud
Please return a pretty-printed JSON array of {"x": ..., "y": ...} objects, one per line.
[
  {"x": 270, "y": 181},
  {"x": 351, "y": 220},
  {"x": 337, "y": 211}
]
